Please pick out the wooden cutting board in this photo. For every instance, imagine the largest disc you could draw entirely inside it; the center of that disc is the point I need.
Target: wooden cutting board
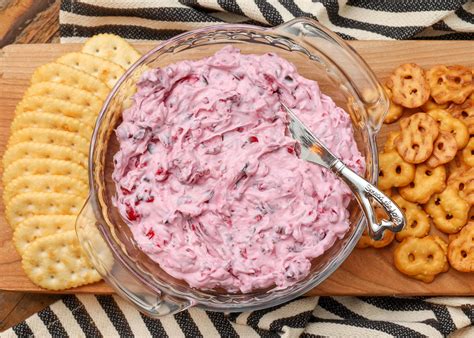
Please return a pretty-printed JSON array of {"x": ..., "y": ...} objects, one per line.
[{"x": 365, "y": 272}]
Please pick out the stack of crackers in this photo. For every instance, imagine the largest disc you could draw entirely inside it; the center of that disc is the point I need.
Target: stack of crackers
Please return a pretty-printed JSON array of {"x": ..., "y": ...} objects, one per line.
[
  {"x": 46, "y": 162},
  {"x": 427, "y": 167}
]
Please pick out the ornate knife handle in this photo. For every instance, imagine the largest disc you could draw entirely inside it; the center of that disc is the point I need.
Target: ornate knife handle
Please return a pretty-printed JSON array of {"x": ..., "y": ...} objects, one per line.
[{"x": 363, "y": 192}]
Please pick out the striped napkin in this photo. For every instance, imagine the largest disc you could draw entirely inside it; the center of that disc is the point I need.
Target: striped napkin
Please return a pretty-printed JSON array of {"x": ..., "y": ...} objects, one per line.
[
  {"x": 354, "y": 19},
  {"x": 110, "y": 316}
]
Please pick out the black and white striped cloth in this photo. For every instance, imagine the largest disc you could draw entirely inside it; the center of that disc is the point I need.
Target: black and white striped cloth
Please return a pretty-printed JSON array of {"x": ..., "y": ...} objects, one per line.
[
  {"x": 109, "y": 316},
  {"x": 139, "y": 20}
]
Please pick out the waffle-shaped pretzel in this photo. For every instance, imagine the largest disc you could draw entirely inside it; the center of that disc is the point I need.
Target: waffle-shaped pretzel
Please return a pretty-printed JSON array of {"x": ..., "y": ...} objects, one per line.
[
  {"x": 450, "y": 83},
  {"x": 394, "y": 171},
  {"x": 409, "y": 86},
  {"x": 464, "y": 183},
  {"x": 418, "y": 223},
  {"x": 461, "y": 249},
  {"x": 417, "y": 135},
  {"x": 444, "y": 149},
  {"x": 448, "y": 210},
  {"x": 421, "y": 258},
  {"x": 427, "y": 181}
]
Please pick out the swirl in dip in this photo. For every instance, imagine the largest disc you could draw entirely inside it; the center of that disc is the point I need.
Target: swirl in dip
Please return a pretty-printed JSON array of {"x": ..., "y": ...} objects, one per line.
[{"x": 208, "y": 179}]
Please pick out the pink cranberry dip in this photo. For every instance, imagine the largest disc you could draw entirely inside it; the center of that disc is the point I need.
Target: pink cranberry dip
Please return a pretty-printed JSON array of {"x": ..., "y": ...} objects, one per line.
[{"x": 208, "y": 179}]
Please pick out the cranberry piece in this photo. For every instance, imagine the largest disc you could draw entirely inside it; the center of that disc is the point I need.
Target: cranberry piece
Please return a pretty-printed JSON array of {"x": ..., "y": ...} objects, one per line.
[
  {"x": 150, "y": 234},
  {"x": 240, "y": 129},
  {"x": 160, "y": 171},
  {"x": 125, "y": 191},
  {"x": 191, "y": 78},
  {"x": 131, "y": 213},
  {"x": 227, "y": 220},
  {"x": 258, "y": 218},
  {"x": 268, "y": 78},
  {"x": 253, "y": 139},
  {"x": 150, "y": 199},
  {"x": 290, "y": 150}
]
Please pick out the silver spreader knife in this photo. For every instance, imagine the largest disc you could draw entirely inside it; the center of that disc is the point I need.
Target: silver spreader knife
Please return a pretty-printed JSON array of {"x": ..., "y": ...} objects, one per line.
[{"x": 313, "y": 150}]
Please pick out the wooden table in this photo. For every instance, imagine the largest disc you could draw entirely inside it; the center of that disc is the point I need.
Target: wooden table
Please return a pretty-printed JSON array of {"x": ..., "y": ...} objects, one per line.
[{"x": 26, "y": 21}]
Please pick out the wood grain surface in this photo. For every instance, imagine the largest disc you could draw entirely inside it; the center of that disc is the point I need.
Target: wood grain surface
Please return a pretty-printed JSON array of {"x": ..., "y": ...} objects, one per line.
[
  {"x": 26, "y": 21},
  {"x": 365, "y": 272},
  {"x": 29, "y": 21}
]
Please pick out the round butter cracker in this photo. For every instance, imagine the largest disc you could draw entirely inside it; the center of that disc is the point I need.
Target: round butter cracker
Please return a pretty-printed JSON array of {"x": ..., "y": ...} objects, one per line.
[
  {"x": 45, "y": 183},
  {"x": 34, "y": 150},
  {"x": 67, "y": 93},
  {"x": 113, "y": 48},
  {"x": 57, "y": 262},
  {"x": 106, "y": 71},
  {"x": 45, "y": 104},
  {"x": 51, "y": 121},
  {"x": 35, "y": 227},
  {"x": 59, "y": 73},
  {"x": 51, "y": 136},
  {"x": 39, "y": 203},
  {"x": 29, "y": 166}
]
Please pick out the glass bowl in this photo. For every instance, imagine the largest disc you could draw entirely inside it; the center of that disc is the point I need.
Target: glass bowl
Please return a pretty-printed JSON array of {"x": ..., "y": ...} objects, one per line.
[{"x": 319, "y": 55}]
